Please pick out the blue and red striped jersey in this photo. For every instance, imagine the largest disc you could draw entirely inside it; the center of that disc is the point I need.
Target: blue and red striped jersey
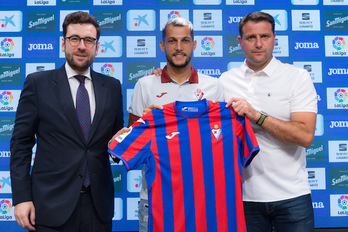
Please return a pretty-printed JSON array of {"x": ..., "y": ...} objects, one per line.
[{"x": 194, "y": 152}]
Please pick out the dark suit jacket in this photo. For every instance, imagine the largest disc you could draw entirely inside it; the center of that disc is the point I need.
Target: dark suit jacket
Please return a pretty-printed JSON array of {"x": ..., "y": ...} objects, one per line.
[{"x": 46, "y": 111}]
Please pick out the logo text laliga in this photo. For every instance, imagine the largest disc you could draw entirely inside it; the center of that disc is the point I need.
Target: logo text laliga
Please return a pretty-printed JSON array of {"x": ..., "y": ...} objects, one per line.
[
  {"x": 41, "y": 46},
  {"x": 306, "y": 45}
]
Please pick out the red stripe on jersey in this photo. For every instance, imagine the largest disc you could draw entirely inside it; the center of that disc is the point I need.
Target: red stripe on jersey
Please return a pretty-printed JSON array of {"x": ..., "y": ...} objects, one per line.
[
  {"x": 136, "y": 146},
  {"x": 176, "y": 172},
  {"x": 156, "y": 199},
  {"x": 198, "y": 176},
  {"x": 239, "y": 131},
  {"x": 219, "y": 173}
]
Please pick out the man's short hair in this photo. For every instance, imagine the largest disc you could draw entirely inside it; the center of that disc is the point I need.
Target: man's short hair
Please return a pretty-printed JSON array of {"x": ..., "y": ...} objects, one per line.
[
  {"x": 255, "y": 17},
  {"x": 177, "y": 22},
  {"x": 80, "y": 17}
]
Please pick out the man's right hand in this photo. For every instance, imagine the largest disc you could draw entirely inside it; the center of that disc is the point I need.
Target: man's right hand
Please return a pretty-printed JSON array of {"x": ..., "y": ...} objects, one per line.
[
  {"x": 149, "y": 108},
  {"x": 25, "y": 215},
  {"x": 157, "y": 72}
]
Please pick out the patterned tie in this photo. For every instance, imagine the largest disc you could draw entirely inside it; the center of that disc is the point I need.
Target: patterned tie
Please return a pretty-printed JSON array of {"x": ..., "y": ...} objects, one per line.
[{"x": 84, "y": 115}]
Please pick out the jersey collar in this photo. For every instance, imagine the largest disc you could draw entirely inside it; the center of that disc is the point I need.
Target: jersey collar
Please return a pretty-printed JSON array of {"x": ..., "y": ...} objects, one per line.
[{"x": 166, "y": 78}]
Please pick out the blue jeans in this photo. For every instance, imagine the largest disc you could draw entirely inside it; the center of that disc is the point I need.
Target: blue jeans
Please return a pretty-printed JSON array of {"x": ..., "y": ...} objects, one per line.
[
  {"x": 295, "y": 214},
  {"x": 143, "y": 215}
]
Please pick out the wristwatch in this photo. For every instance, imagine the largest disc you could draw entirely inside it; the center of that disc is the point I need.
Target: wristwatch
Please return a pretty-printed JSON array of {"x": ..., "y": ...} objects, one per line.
[{"x": 262, "y": 118}]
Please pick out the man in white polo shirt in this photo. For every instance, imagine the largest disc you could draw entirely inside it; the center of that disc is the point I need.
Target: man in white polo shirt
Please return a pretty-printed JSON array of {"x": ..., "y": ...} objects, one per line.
[
  {"x": 179, "y": 81},
  {"x": 281, "y": 103}
]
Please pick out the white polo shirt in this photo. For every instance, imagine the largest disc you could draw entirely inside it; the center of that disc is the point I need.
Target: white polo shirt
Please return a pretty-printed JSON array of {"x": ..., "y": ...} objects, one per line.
[
  {"x": 278, "y": 172},
  {"x": 162, "y": 90}
]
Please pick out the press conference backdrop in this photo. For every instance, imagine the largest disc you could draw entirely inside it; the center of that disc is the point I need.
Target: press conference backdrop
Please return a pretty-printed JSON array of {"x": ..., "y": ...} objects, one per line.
[{"x": 311, "y": 34}]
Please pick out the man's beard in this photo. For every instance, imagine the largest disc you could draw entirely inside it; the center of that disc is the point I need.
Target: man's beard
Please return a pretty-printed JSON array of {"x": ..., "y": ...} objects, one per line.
[
  {"x": 171, "y": 62},
  {"x": 78, "y": 67}
]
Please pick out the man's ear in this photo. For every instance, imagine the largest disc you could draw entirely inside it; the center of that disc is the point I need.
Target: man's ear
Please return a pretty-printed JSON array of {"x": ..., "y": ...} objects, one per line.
[
  {"x": 162, "y": 46},
  {"x": 194, "y": 45}
]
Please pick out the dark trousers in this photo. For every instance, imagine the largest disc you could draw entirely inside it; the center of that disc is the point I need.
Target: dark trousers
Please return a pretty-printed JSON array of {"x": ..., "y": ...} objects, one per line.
[
  {"x": 83, "y": 219},
  {"x": 289, "y": 215}
]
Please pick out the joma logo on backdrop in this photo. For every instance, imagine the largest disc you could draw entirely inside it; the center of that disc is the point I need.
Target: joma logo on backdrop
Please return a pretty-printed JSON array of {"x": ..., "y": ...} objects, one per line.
[
  {"x": 5, "y": 154},
  {"x": 210, "y": 72},
  {"x": 306, "y": 46},
  {"x": 234, "y": 19},
  {"x": 42, "y": 46},
  {"x": 338, "y": 71},
  {"x": 339, "y": 124}
]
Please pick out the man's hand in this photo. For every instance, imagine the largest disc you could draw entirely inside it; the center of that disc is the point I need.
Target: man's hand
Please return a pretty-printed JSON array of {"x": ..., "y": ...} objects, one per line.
[
  {"x": 25, "y": 215},
  {"x": 149, "y": 108},
  {"x": 243, "y": 108},
  {"x": 299, "y": 130},
  {"x": 157, "y": 72}
]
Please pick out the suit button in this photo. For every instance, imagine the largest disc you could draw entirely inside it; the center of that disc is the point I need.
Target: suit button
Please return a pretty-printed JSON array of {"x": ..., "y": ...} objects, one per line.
[{"x": 80, "y": 176}]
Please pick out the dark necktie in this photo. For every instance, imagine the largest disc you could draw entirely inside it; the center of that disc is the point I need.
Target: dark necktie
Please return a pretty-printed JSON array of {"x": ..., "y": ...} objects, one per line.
[{"x": 83, "y": 111}]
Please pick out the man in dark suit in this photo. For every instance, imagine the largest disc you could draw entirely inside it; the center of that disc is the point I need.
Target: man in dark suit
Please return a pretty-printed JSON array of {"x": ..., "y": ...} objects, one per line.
[{"x": 70, "y": 187}]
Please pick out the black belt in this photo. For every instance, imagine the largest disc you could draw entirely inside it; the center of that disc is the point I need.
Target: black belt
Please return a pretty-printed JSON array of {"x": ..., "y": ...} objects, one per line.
[{"x": 85, "y": 190}]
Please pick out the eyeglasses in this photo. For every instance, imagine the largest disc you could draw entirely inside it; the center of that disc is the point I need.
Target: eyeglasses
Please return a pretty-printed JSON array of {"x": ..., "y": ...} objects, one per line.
[{"x": 75, "y": 41}]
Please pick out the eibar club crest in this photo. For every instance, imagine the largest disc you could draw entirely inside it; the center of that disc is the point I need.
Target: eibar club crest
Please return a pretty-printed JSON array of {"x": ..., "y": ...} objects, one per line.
[
  {"x": 199, "y": 94},
  {"x": 216, "y": 131}
]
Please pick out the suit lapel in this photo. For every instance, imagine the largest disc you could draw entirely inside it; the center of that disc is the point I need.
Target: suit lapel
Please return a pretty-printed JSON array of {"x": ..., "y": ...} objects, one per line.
[
  {"x": 66, "y": 102},
  {"x": 100, "y": 92}
]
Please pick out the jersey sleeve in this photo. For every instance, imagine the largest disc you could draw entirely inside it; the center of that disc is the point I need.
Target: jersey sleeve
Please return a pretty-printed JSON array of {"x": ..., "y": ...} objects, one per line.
[
  {"x": 248, "y": 146},
  {"x": 133, "y": 147}
]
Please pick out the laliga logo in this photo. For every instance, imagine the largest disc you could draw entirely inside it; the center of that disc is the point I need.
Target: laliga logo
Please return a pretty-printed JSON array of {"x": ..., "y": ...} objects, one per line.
[
  {"x": 341, "y": 95},
  {"x": 207, "y": 43},
  {"x": 173, "y": 14},
  {"x": 7, "y": 44},
  {"x": 108, "y": 70},
  {"x": 5, "y": 206},
  {"x": 338, "y": 43},
  {"x": 343, "y": 202},
  {"x": 6, "y": 98}
]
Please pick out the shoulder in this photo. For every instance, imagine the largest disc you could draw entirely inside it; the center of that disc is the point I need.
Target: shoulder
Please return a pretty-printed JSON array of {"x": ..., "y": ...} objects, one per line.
[
  {"x": 230, "y": 73},
  {"x": 148, "y": 80},
  {"x": 43, "y": 74},
  {"x": 107, "y": 79},
  {"x": 204, "y": 77},
  {"x": 291, "y": 71},
  {"x": 286, "y": 67}
]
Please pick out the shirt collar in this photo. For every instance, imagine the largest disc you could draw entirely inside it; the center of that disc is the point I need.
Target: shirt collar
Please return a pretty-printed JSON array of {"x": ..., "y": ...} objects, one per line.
[
  {"x": 166, "y": 78},
  {"x": 268, "y": 70},
  {"x": 71, "y": 73}
]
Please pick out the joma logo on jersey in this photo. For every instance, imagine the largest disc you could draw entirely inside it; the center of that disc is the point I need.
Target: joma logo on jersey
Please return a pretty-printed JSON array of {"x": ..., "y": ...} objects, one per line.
[
  {"x": 338, "y": 71},
  {"x": 172, "y": 135},
  {"x": 40, "y": 47},
  {"x": 306, "y": 45}
]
